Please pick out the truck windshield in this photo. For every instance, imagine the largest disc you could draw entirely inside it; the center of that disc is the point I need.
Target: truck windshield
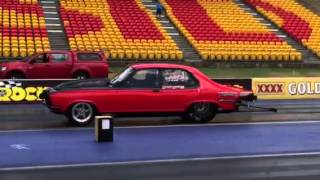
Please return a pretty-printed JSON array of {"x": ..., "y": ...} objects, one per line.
[{"x": 122, "y": 76}]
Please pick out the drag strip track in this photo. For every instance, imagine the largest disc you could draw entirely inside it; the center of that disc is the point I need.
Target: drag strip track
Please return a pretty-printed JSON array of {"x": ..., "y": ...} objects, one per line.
[
  {"x": 37, "y": 116},
  {"x": 229, "y": 151},
  {"x": 36, "y": 144}
]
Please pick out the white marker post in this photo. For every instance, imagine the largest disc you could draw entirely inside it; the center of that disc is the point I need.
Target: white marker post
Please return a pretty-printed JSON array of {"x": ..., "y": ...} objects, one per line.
[{"x": 104, "y": 128}]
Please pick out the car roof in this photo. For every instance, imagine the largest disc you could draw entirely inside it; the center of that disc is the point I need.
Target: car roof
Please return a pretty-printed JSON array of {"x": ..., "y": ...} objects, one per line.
[{"x": 161, "y": 65}]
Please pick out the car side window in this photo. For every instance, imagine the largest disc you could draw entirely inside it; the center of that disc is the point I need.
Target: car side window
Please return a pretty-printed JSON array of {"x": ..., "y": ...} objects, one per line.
[
  {"x": 89, "y": 57},
  {"x": 41, "y": 58},
  {"x": 58, "y": 57},
  {"x": 146, "y": 78},
  {"x": 178, "y": 79}
]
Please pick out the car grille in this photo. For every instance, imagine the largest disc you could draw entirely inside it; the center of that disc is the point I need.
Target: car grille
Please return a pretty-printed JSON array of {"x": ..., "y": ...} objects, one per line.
[{"x": 46, "y": 98}]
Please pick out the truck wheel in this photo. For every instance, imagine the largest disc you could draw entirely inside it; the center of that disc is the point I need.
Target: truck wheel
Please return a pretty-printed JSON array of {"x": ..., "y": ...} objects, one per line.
[
  {"x": 81, "y": 114},
  {"x": 201, "y": 112},
  {"x": 16, "y": 75},
  {"x": 81, "y": 75}
]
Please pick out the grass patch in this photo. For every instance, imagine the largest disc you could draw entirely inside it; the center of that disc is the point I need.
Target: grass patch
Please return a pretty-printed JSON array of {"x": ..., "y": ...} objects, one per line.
[{"x": 251, "y": 72}]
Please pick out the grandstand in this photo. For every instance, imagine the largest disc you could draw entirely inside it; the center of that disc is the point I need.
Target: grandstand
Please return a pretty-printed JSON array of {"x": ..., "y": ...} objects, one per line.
[{"x": 209, "y": 31}]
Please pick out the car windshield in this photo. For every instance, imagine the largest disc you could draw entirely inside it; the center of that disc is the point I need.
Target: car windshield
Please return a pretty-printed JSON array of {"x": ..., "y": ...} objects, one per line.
[{"x": 122, "y": 76}]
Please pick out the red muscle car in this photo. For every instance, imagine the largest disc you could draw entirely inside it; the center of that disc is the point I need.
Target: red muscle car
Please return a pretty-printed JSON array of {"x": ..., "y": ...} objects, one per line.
[
  {"x": 147, "y": 89},
  {"x": 57, "y": 65}
]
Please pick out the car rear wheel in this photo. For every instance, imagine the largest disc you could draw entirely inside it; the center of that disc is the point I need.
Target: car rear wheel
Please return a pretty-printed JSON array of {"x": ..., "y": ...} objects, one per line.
[
  {"x": 16, "y": 75},
  {"x": 81, "y": 114},
  {"x": 81, "y": 75},
  {"x": 201, "y": 112}
]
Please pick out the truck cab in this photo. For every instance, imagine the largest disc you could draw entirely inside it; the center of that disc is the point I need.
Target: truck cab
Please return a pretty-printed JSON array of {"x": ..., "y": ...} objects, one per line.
[{"x": 57, "y": 65}]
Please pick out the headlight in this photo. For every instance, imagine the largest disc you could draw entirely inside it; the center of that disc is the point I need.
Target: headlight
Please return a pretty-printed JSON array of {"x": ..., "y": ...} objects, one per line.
[{"x": 3, "y": 68}]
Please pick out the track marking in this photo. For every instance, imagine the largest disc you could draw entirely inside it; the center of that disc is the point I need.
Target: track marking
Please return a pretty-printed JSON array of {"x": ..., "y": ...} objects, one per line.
[
  {"x": 20, "y": 146},
  {"x": 160, "y": 161},
  {"x": 168, "y": 126}
]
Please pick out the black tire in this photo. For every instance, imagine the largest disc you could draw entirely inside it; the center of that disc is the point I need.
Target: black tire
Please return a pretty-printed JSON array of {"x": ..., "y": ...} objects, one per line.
[
  {"x": 201, "y": 112},
  {"x": 81, "y": 75},
  {"x": 86, "y": 113},
  {"x": 16, "y": 75}
]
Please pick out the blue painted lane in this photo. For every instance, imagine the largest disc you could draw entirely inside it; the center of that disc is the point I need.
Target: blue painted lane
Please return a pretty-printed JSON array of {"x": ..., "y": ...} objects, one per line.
[{"x": 67, "y": 147}]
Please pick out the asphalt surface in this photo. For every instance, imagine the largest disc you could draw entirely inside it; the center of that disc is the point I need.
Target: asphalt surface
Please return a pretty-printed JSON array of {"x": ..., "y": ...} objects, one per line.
[
  {"x": 275, "y": 168},
  {"x": 271, "y": 150},
  {"x": 37, "y": 116},
  {"x": 288, "y": 150}
]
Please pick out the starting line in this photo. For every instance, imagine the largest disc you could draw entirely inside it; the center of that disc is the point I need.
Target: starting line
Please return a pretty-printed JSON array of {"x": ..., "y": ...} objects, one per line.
[{"x": 69, "y": 148}]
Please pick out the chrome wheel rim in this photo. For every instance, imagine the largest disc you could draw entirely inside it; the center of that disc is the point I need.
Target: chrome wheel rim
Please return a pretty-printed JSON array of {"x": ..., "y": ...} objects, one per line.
[
  {"x": 201, "y": 108},
  {"x": 82, "y": 112},
  {"x": 199, "y": 111},
  {"x": 81, "y": 77}
]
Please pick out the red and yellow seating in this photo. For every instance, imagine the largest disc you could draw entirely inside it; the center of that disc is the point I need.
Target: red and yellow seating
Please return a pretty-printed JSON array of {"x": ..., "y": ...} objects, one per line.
[
  {"x": 125, "y": 29},
  {"x": 220, "y": 30},
  {"x": 23, "y": 30},
  {"x": 299, "y": 22}
]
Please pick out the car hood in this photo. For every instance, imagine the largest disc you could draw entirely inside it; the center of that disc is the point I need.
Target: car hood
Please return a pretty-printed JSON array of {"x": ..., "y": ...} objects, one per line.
[{"x": 82, "y": 84}]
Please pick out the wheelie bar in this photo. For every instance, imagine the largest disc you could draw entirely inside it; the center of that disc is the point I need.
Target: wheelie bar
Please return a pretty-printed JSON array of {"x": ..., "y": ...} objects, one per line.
[{"x": 254, "y": 108}]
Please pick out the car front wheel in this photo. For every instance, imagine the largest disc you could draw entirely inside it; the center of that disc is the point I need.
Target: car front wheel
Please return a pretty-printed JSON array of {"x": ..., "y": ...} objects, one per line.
[
  {"x": 81, "y": 114},
  {"x": 201, "y": 112}
]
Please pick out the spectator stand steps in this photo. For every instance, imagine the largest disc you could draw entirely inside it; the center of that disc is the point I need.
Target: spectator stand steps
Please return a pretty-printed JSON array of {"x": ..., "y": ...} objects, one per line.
[
  {"x": 307, "y": 55},
  {"x": 221, "y": 31},
  {"x": 56, "y": 34},
  {"x": 190, "y": 55},
  {"x": 313, "y": 5}
]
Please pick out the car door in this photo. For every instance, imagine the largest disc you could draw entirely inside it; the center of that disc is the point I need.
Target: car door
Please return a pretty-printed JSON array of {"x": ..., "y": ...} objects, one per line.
[
  {"x": 178, "y": 89},
  {"x": 60, "y": 65},
  {"x": 38, "y": 67},
  {"x": 139, "y": 92},
  {"x": 49, "y": 66}
]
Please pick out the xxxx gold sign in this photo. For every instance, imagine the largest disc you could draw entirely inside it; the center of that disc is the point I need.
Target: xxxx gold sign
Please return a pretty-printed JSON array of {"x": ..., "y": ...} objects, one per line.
[{"x": 286, "y": 88}]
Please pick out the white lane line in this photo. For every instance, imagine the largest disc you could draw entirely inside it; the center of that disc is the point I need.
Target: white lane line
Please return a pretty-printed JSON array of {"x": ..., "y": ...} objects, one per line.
[
  {"x": 168, "y": 27},
  {"x": 163, "y": 160},
  {"x": 55, "y": 31},
  {"x": 170, "y": 126},
  {"x": 48, "y": 2},
  {"x": 151, "y": 5},
  {"x": 51, "y": 18},
  {"x": 283, "y": 36},
  {"x": 164, "y": 21},
  {"x": 174, "y": 34},
  {"x": 47, "y": 12},
  {"x": 49, "y": 7},
  {"x": 53, "y": 24}
]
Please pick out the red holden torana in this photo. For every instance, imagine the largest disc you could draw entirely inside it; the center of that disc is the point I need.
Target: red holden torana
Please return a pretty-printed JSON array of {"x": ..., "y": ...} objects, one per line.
[{"x": 146, "y": 89}]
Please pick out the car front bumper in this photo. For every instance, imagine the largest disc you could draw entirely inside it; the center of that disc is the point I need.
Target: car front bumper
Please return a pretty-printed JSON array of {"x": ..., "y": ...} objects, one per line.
[{"x": 45, "y": 96}]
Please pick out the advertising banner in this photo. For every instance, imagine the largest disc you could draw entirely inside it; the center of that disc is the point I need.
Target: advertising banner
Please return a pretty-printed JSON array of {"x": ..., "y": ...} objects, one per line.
[
  {"x": 287, "y": 88},
  {"x": 23, "y": 91}
]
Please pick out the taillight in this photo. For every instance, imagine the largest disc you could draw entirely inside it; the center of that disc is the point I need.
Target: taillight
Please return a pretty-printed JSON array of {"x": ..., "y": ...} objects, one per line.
[{"x": 245, "y": 93}]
